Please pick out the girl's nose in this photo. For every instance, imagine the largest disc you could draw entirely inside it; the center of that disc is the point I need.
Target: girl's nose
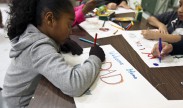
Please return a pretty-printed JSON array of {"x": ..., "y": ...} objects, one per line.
[{"x": 180, "y": 9}]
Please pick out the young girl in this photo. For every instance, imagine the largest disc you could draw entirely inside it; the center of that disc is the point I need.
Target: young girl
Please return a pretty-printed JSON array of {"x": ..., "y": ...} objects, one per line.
[
  {"x": 36, "y": 29},
  {"x": 170, "y": 25}
]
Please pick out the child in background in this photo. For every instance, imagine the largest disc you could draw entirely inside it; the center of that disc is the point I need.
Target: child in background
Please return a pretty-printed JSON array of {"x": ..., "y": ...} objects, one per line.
[
  {"x": 36, "y": 29},
  {"x": 170, "y": 25},
  {"x": 82, "y": 10},
  {"x": 113, "y": 4}
]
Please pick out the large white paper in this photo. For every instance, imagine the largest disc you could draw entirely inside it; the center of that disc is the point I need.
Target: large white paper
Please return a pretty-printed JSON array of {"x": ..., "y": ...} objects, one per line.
[
  {"x": 143, "y": 47},
  {"x": 121, "y": 10},
  {"x": 93, "y": 25},
  {"x": 119, "y": 85}
]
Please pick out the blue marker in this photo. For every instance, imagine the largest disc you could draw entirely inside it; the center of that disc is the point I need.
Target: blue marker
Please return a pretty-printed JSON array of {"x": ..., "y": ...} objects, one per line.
[
  {"x": 87, "y": 41},
  {"x": 160, "y": 49}
]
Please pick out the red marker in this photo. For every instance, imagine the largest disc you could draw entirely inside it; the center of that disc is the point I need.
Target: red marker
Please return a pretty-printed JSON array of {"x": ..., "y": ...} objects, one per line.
[{"x": 95, "y": 40}]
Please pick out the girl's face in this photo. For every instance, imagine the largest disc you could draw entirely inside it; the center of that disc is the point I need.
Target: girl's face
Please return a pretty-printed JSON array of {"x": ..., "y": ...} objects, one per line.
[
  {"x": 57, "y": 29},
  {"x": 180, "y": 10},
  {"x": 62, "y": 27}
]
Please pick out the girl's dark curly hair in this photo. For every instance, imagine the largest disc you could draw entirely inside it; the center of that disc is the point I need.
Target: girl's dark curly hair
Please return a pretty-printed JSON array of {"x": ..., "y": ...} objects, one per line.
[{"x": 24, "y": 12}]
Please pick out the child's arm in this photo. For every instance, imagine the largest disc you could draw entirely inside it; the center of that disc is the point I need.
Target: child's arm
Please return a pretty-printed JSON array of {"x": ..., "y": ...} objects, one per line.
[
  {"x": 79, "y": 15},
  {"x": 156, "y": 35},
  {"x": 82, "y": 10},
  {"x": 73, "y": 81},
  {"x": 155, "y": 22},
  {"x": 124, "y": 4}
]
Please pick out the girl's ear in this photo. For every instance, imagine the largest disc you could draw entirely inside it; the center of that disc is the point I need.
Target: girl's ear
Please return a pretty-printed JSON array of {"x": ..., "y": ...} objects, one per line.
[{"x": 49, "y": 18}]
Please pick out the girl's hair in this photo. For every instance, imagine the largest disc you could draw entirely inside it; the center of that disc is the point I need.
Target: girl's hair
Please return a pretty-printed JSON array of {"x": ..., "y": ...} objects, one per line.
[{"x": 24, "y": 12}]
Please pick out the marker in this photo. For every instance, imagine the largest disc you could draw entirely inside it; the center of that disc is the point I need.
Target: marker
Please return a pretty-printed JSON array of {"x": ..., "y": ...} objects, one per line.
[
  {"x": 95, "y": 40},
  {"x": 87, "y": 41},
  {"x": 103, "y": 24},
  {"x": 121, "y": 25},
  {"x": 115, "y": 32},
  {"x": 160, "y": 49},
  {"x": 118, "y": 27},
  {"x": 129, "y": 25}
]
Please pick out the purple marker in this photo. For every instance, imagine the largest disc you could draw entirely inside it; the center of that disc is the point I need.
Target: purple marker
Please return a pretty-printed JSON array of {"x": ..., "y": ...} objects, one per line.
[{"x": 160, "y": 49}]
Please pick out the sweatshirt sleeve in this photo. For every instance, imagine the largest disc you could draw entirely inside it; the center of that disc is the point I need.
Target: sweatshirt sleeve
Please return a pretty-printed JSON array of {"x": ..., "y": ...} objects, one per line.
[
  {"x": 79, "y": 16},
  {"x": 73, "y": 81},
  {"x": 177, "y": 47}
]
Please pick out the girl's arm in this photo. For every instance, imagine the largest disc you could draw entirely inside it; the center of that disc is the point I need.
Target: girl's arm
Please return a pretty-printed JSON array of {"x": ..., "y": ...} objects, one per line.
[
  {"x": 154, "y": 35},
  {"x": 79, "y": 15},
  {"x": 71, "y": 80}
]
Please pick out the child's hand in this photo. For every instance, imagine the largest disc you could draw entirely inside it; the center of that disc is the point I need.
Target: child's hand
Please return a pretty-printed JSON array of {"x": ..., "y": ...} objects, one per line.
[
  {"x": 150, "y": 34},
  {"x": 89, "y": 6},
  {"x": 163, "y": 29},
  {"x": 112, "y": 6},
  {"x": 167, "y": 48},
  {"x": 71, "y": 46},
  {"x": 98, "y": 51},
  {"x": 124, "y": 5}
]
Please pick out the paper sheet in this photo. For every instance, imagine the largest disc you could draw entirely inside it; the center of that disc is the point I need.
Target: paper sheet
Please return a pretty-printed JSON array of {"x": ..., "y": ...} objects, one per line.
[
  {"x": 143, "y": 47},
  {"x": 119, "y": 85},
  {"x": 121, "y": 10},
  {"x": 93, "y": 25}
]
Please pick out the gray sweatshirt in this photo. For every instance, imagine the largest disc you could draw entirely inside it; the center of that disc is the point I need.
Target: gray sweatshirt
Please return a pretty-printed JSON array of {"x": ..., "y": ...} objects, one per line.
[{"x": 35, "y": 54}]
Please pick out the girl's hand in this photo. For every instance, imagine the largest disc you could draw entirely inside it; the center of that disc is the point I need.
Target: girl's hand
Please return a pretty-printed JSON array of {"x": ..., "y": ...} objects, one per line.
[
  {"x": 97, "y": 51},
  {"x": 167, "y": 48},
  {"x": 71, "y": 46},
  {"x": 163, "y": 29}
]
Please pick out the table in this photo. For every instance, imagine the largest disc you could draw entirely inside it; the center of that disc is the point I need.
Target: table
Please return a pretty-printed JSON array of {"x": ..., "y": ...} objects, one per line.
[{"x": 165, "y": 80}]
